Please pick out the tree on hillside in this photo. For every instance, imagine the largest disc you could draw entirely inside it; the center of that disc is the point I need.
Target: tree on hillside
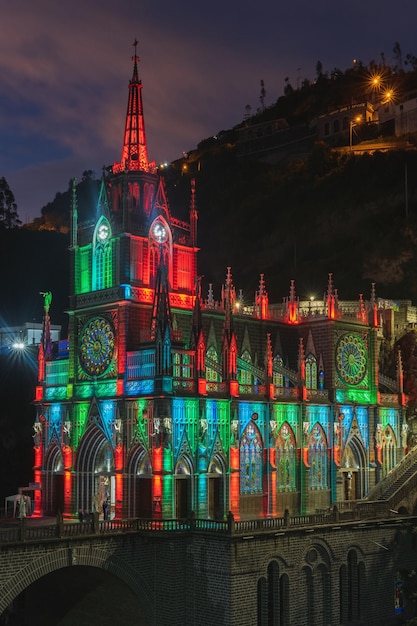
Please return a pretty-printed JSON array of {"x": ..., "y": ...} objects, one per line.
[
  {"x": 56, "y": 214},
  {"x": 8, "y": 207},
  {"x": 262, "y": 96}
]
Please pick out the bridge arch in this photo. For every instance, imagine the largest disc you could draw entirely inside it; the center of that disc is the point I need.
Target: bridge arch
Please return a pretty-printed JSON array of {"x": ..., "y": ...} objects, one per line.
[{"x": 73, "y": 556}]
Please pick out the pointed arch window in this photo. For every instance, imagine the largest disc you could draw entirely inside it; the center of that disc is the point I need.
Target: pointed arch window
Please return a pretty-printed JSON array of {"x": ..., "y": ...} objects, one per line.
[
  {"x": 148, "y": 193},
  {"x": 134, "y": 195},
  {"x": 211, "y": 373},
  {"x": 317, "y": 458},
  {"x": 153, "y": 264},
  {"x": 102, "y": 256},
  {"x": 277, "y": 377},
  {"x": 245, "y": 377},
  {"x": 160, "y": 247},
  {"x": 176, "y": 365},
  {"x": 85, "y": 270},
  {"x": 311, "y": 371},
  {"x": 251, "y": 453},
  {"x": 286, "y": 458}
]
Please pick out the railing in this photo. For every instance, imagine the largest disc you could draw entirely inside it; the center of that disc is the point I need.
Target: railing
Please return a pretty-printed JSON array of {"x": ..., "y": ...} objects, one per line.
[
  {"x": 213, "y": 387},
  {"x": 403, "y": 490},
  {"x": 321, "y": 394},
  {"x": 388, "y": 399},
  {"x": 389, "y": 383},
  {"x": 255, "y": 390},
  {"x": 184, "y": 384},
  {"x": 35, "y": 530},
  {"x": 286, "y": 392},
  {"x": 406, "y": 463}
]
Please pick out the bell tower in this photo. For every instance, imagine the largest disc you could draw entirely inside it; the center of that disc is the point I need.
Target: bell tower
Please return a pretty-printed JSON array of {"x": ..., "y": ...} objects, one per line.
[
  {"x": 132, "y": 264},
  {"x": 134, "y": 224}
]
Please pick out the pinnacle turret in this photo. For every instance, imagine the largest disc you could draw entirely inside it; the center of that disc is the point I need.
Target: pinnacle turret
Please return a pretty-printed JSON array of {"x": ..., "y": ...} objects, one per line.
[{"x": 134, "y": 151}]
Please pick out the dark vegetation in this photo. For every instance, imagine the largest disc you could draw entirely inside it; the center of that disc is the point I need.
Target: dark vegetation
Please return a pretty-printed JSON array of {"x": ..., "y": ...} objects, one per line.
[{"x": 320, "y": 213}]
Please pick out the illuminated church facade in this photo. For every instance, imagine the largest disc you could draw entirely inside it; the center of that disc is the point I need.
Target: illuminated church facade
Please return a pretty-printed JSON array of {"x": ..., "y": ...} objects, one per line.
[{"x": 165, "y": 403}]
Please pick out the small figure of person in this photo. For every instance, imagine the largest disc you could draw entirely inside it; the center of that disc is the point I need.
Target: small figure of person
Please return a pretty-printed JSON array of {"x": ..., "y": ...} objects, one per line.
[
  {"x": 22, "y": 508},
  {"x": 106, "y": 508}
]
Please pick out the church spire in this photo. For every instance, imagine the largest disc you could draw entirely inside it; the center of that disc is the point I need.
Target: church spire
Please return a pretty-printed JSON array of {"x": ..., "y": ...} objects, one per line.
[{"x": 134, "y": 151}]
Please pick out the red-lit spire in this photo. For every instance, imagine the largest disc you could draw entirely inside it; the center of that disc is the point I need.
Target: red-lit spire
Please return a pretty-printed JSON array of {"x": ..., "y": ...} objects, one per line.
[
  {"x": 134, "y": 152},
  {"x": 292, "y": 306},
  {"x": 261, "y": 300},
  {"x": 332, "y": 300}
]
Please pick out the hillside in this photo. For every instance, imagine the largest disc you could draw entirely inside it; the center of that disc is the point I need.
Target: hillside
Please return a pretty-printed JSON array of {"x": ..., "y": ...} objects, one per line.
[
  {"x": 302, "y": 218},
  {"x": 344, "y": 215}
]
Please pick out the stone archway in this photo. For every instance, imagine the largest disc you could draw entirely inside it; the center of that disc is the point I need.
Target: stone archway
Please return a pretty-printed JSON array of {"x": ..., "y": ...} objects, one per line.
[
  {"x": 94, "y": 472},
  {"x": 216, "y": 488},
  {"x": 183, "y": 487},
  {"x": 75, "y": 558},
  {"x": 353, "y": 470},
  {"x": 139, "y": 484},
  {"x": 53, "y": 487}
]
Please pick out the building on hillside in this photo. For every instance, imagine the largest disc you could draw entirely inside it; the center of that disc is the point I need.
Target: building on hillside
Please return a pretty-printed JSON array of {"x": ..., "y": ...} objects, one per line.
[
  {"x": 339, "y": 123},
  {"x": 27, "y": 334},
  {"x": 166, "y": 402},
  {"x": 273, "y": 141},
  {"x": 406, "y": 116}
]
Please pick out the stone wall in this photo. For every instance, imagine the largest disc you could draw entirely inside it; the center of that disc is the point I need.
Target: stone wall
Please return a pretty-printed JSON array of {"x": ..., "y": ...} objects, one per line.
[{"x": 314, "y": 574}]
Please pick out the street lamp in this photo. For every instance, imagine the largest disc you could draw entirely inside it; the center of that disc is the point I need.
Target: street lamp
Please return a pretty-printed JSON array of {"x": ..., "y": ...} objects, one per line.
[
  {"x": 18, "y": 345},
  {"x": 354, "y": 122}
]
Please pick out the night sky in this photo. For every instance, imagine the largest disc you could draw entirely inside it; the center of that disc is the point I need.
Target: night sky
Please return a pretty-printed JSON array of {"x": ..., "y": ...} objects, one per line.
[{"x": 65, "y": 68}]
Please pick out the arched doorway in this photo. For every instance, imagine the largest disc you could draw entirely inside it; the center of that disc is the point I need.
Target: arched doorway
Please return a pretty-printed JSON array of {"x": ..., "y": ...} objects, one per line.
[
  {"x": 216, "y": 495},
  {"x": 53, "y": 485},
  {"x": 139, "y": 484},
  {"x": 353, "y": 470},
  {"x": 95, "y": 473},
  {"x": 183, "y": 496}
]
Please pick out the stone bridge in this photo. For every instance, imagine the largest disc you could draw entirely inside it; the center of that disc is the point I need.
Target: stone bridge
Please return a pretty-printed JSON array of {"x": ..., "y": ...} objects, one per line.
[{"x": 317, "y": 569}]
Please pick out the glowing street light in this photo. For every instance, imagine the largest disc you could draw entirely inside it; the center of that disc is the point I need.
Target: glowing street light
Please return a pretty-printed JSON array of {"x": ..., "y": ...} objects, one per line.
[
  {"x": 355, "y": 122},
  {"x": 388, "y": 96},
  {"x": 18, "y": 345}
]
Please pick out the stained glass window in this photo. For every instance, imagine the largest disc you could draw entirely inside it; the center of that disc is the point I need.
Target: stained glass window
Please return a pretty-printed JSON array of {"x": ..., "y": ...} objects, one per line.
[
  {"x": 85, "y": 270},
  {"x": 176, "y": 362},
  {"x": 286, "y": 461},
  {"x": 317, "y": 458},
  {"x": 311, "y": 372},
  {"x": 251, "y": 460},
  {"x": 211, "y": 373},
  {"x": 245, "y": 377},
  {"x": 102, "y": 258},
  {"x": 277, "y": 377}
]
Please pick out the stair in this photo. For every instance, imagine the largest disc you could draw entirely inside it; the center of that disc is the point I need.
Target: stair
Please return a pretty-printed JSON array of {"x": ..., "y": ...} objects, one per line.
[{"x": 398, "y": 482}]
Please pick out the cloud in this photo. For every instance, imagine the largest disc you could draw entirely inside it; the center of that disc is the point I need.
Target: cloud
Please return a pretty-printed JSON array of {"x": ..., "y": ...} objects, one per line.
[{"x": 65, "y": 70}]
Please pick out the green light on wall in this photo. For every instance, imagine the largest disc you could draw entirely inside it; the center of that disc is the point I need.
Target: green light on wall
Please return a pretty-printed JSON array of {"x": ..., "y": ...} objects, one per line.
[
  {"x": 361, "y": 396},
  {"x": 167, "y": 460}
]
